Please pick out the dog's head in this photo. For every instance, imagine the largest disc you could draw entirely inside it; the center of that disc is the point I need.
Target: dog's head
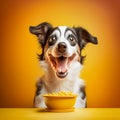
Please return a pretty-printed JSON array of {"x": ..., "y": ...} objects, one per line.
[{"x": 62, "y": 45}]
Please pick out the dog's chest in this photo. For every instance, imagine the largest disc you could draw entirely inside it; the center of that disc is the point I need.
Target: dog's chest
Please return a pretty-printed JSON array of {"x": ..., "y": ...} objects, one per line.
[{"x": 73, "y": 86}]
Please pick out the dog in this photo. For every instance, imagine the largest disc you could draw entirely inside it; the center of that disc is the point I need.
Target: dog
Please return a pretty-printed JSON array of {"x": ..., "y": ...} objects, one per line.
[{"x": 61, "y": 60}]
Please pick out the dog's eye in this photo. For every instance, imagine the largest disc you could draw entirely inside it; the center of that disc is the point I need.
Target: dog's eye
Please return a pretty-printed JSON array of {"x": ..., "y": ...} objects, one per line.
[
  {"x": 52, "y": 40},
  {"x": 72, "y": 40}
]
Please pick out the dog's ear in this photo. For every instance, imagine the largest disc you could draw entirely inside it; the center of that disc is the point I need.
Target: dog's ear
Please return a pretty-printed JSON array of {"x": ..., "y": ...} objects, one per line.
[
  {"x": 84, "y": 37},
  {"x": 40, "y": 31}
]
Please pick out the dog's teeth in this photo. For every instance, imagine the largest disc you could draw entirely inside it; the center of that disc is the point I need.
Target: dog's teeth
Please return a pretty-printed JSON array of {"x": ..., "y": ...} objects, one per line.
[{"x": 62, "y": 75}]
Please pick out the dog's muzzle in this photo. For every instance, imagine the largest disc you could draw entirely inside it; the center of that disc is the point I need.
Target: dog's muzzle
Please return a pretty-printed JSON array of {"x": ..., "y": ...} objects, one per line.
[{"x": 61, "y": 64}]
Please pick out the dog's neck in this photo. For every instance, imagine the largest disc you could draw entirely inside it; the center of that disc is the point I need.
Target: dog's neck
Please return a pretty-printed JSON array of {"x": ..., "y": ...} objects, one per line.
[{"x": 52, "y": 81}]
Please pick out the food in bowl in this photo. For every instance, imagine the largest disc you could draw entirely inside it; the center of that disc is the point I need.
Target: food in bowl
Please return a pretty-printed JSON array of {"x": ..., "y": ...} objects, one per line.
[
  {"x": 61, "y": 93},
  {"x": 60, "y": 102}
]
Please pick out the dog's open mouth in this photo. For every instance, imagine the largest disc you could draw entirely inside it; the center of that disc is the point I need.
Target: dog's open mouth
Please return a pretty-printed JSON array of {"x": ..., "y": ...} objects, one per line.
[{"x": 61, "y": 64}]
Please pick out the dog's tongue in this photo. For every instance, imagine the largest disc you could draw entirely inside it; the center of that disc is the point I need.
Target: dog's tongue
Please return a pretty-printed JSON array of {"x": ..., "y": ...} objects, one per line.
[{"x": 62, "y": 64}]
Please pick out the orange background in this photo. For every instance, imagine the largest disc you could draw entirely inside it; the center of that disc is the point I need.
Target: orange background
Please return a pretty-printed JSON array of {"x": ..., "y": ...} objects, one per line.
[{"x": 19, "y": 66}]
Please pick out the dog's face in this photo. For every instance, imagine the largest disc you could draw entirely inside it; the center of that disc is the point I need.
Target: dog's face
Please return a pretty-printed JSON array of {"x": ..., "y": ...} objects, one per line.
[
  {"x": 62, "y": 45},
  {"x": 62, "y": 50}
]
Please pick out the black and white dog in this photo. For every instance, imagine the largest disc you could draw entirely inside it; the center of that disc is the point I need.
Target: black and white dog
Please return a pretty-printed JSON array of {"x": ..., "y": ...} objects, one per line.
[{"x": 62, "y": 60}]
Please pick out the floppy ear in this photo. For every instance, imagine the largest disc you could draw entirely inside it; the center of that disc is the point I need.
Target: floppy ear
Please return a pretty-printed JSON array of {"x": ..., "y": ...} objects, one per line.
[
  {"x": 84, "y": 37},
  {"x": 40, "y": 31}
]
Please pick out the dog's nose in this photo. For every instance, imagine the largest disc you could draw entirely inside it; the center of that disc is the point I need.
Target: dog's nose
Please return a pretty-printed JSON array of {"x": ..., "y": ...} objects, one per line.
[{"x": 62, "y": 47}]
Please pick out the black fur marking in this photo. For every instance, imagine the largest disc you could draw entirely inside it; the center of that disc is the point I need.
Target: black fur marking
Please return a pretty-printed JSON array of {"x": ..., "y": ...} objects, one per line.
[
  {"x": 59, "y": 30},
  {"x": 86, "y": 105},
  {"x": 41, "y": 56},
  {"x": 40, "y": 31},
  {"x": 82, "y": 89},
  {"x": 72, "y": 30},
  {"x": 82, "y": 59},
  {"x": 52, "y": 40},
  {"x": 48, "y": 34},
  {"x": 39, "y": 86},
  {"x": 84, "y": 37}
]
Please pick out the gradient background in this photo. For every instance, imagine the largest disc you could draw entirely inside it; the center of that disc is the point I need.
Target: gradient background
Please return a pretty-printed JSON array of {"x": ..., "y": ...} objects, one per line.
[{"x": 19, "y": 66}]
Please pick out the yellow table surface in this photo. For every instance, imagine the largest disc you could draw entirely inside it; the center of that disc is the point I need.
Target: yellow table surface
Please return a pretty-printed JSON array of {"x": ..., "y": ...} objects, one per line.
[{"x": 78, "y": 114}]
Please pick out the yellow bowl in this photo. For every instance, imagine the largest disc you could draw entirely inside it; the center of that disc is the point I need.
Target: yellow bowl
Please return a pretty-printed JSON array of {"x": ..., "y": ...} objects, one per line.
[{"x": 60, "y": 103}]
